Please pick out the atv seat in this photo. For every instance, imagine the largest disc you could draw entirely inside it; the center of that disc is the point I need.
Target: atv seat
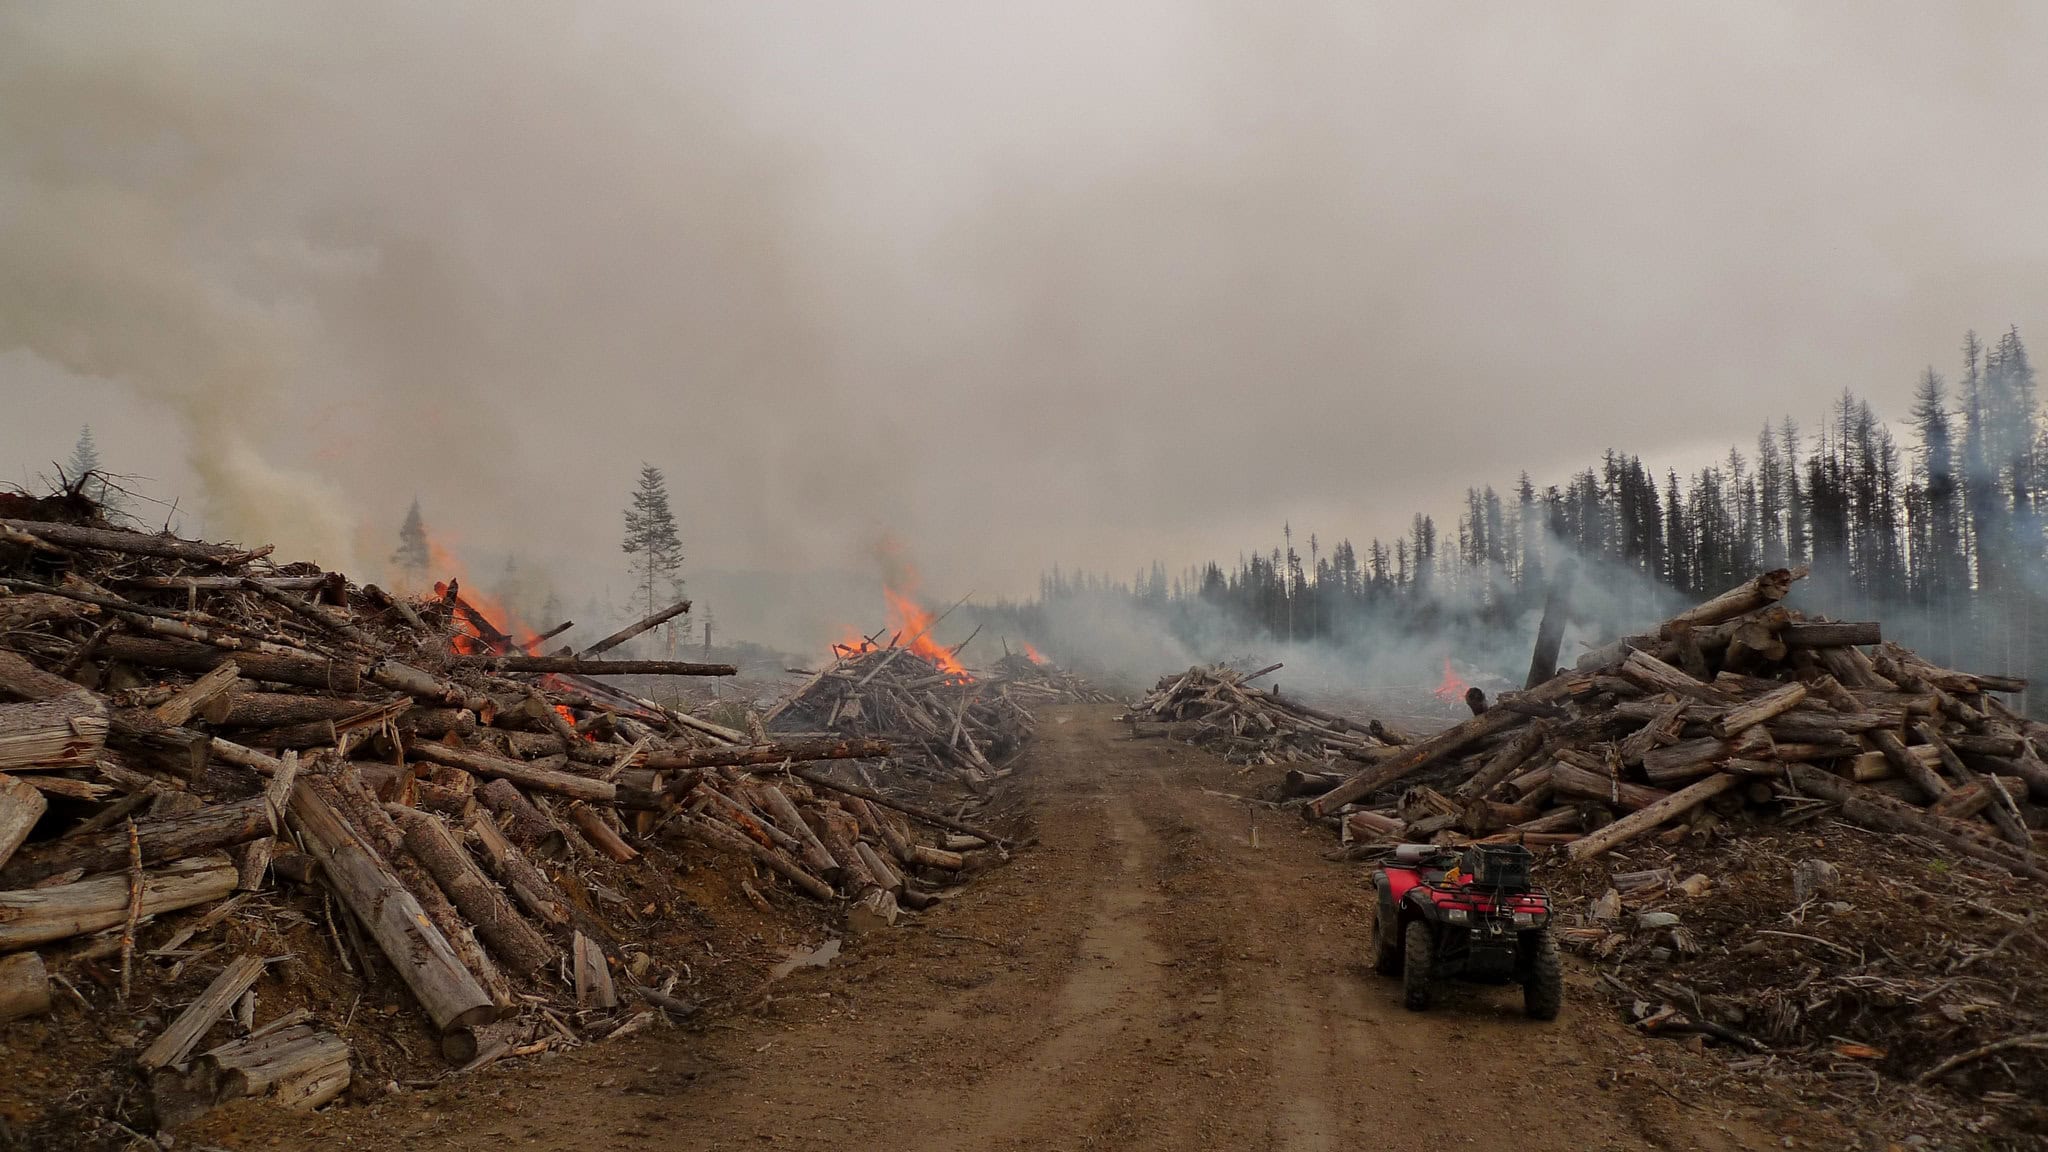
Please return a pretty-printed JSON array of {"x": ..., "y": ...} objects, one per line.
[{"x": 1414, "y": 854}]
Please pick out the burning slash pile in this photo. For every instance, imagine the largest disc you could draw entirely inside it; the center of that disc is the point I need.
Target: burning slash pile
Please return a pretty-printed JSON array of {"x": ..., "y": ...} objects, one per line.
[
  {"x": 241, "y": 801},
  {"x": 1215, "y": 707},
  {"x": 1832, "y": 845},
  {"x": 944, "y": 722}
]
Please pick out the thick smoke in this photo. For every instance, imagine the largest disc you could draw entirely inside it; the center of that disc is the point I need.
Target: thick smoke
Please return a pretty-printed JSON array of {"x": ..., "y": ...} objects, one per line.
[{"x": 1012, "y": 283}]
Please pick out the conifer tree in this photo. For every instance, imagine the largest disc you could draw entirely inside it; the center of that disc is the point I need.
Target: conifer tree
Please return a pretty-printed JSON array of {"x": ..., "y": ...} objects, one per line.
[{"x": 652, "y": 542}]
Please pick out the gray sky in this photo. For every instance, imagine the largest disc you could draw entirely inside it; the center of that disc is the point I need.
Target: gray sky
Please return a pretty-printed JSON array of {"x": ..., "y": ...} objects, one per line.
[{"x": 1016, "y": 284}]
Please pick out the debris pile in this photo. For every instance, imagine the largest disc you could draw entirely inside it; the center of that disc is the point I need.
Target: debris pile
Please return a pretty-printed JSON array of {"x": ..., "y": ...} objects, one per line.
[
  {"x": 1035, "y": 680},
  {"x": 1782, "y": 831},
  {"x": 944, "y": 722},
  {"x": 229, "y": 785},
  {"x": 1215, "y": 707}
]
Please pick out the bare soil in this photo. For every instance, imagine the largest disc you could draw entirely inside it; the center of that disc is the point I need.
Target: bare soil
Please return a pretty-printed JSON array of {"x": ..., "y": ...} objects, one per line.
[{"x": 1143, "y": 975}]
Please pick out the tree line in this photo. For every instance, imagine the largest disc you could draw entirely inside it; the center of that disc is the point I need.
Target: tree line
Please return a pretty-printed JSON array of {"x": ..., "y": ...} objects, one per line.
[{"x": 1936, "y": 530}]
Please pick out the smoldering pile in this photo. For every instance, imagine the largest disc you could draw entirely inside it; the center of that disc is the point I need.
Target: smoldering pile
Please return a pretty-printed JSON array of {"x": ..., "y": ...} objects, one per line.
[
  {"x": 236, "y": 785},
  {"x": 1217, "y": 708},
  {"x": 1035, "y": 680},
  {"x": 1780, "y": 832}
]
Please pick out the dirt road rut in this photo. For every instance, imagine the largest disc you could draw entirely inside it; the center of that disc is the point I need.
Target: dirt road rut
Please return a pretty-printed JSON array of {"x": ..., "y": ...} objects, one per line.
[{"x": 1145, "y": 977}]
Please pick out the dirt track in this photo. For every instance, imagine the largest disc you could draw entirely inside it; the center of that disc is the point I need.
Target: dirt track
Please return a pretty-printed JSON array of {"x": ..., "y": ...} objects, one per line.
[{"x": 1144, "y": 977}]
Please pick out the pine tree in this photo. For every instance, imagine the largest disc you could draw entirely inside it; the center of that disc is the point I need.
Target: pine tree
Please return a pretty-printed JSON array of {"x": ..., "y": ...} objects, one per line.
[
  {"x": 652, "y": 542},
  {"x": 413, "y": 555},
  {"x": 1797, "y": 536},
  {"x": 85, "y": 471}
]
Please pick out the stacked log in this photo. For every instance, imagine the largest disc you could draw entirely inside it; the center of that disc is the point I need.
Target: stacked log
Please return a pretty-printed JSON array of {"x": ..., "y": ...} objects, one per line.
[
  {"x": 451, "y": 792},
  {"x": 1771, "y": 708}
]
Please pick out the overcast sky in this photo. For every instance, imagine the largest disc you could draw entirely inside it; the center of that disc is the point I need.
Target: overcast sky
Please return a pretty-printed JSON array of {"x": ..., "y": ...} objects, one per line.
[{"x": 1016, "y": 284}]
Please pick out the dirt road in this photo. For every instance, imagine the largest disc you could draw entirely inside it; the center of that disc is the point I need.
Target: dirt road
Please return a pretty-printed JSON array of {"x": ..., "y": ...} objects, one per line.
[{"x": 1144, "y": 977}]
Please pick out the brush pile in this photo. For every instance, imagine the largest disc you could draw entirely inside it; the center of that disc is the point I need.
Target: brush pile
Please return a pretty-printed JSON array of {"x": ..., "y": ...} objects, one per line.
[
  {"x": 943, "y": 722},
  {"x": 229, "y": 786},
  {"x": 1216, "y": 708},
  {"x": 1781, "y": 831},
  {"x": 1039, "y": 681}
]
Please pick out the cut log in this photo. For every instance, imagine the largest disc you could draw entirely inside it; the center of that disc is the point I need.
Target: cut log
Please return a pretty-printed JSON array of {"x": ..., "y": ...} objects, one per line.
[
  {"x": 1767, "y": 588},
  {"x": 305, "y": 671},
  {"x": 1745, "y": 716},
  {"x": 1657, "y": 676},
  {"x": 178, "y": 1040},
  {"x": 1571, "y": 780},
  {"x": 601, "y": 835},
  {"x": 21, "y": 806},
  {"x": 208, "y": 829},
  {"x": 815, "y": 855},
  {"x": 520, "y": 772},
  {"x": 527, "y": 883},
  {"x": 884, "y": 873},
  {"x": 24, "y": 986},
  {"x": 936, "y": 819},
  {"x": 1415, "y": 757},
  {"x": 644, "y": 624},
  {"x": 188, "y": 701},
  {"x": 593, "y": 975},
  {"x": 128, "y": 543},
  {"x": 422, "y": 956},
  {"x": 1506, "y": 762},
  {"x": 500, "y": 926},
  {"x": 281, "y": 710},
  {"x": 1364, "y": 825},
  {"x": 504, "y": 665},
  {"x": 1880, "y": 813},
  {"x": 767, "y": 754},
  {"x": 303, "y": 1066},
  {"x": 67, "y": 732},
  {"x": 40, "y": 915},
  {"x": 924, "y": 855},
  {"x": 719, "y": 836},
  {"x": 1648, "y": 819},
  {"x": 524, "y": 823},
  {"x": 1923, "y": 775},
  {"x": 1833, "y": 635}
]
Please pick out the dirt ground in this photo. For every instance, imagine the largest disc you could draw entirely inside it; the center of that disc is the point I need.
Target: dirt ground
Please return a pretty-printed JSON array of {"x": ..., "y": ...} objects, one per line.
[{"x": 1143, "y": 976}]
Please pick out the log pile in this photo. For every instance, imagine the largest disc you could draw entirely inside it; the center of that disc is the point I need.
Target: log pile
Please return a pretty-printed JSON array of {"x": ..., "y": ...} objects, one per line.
[
  {"x": 425, "y": 799},
  {"x": 1737, "y": 703},
  {"x": 1782, "y": 833},
  {"x": 1216, "y": 707},
  {"x": 945, "y": 722},
  {"x": 1038, "y": 681}
]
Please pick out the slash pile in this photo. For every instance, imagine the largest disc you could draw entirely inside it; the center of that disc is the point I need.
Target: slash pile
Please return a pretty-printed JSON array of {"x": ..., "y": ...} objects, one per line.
[
  {"x": 229, "y": 785},
  {"x": 1832, "y": 845},
  {"x": 943, "y": 721},
  {"x": 1040, "y": 682},
  {"x": 1216, "y": 708}
]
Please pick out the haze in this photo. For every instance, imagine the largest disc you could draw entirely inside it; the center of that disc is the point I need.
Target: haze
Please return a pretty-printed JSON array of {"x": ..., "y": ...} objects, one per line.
[{"x": 1016, "y": 285}]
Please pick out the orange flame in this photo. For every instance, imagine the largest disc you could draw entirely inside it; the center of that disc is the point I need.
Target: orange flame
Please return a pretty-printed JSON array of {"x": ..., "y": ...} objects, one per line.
[
  {"x": 1454, "y": 686},
  {"x": 914, "y": 623},
  {"x": 469, "y": 639},
  {"x": 1032, "y": 654}
]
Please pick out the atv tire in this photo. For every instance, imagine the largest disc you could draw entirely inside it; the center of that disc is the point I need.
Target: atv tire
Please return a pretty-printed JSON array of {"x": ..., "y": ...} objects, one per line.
[
  {"x": 1416, "y": 966},
  {"x": 1386, "y": 943},
  {"x": 1543, "y": 991}
]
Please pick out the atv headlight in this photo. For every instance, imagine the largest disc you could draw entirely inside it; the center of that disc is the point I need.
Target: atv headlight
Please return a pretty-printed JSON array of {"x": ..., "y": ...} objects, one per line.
[
  {"x": 1525, "y": 919},
  {"x": 1456, "y": 916}
]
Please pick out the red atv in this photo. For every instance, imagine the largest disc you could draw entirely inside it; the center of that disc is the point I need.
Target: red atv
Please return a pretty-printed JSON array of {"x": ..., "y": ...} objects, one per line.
[{"x": 1471, "y": 916}]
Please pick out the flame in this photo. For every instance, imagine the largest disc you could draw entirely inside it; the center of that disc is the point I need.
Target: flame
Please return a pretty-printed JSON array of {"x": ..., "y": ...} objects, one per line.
[
  {"x": 1032, "y": 654},
  {"x": 468, "y": 639},
  {"x": 914, "y": 623},
  {"x": 1454, "y": 686}
]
